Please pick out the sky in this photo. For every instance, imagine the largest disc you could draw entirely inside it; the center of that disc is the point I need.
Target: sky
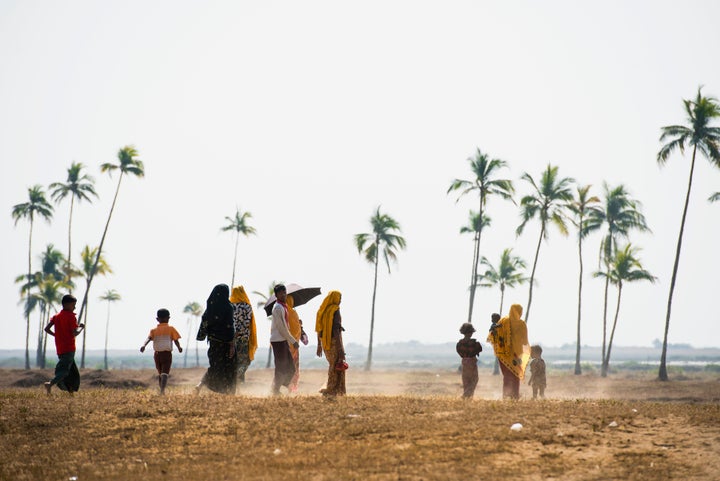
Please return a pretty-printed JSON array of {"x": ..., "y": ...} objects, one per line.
[{"x": 311, "y": 115}]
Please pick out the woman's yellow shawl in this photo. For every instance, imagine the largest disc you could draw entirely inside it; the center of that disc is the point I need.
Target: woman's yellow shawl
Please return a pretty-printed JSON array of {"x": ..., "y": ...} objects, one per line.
[
  {"x": 324, "y": 318},
  {"x": 510, "y": 342},
  {"x": 293, "y": 320},
  {"x": 239, "y": 295}
]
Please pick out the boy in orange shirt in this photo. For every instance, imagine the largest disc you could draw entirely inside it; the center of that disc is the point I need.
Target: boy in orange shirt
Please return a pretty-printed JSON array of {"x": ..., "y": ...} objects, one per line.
[{"x": 162, "y": 337}]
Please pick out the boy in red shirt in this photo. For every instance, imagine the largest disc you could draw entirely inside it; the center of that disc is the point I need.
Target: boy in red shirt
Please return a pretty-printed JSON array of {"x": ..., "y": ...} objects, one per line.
[
  {"x": 162, "y": 337},
  {"x": 67, "y": 376}
]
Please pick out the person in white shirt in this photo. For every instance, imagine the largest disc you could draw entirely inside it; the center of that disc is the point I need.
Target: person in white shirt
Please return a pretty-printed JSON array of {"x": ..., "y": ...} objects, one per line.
[{"x": 280, "y": 340}]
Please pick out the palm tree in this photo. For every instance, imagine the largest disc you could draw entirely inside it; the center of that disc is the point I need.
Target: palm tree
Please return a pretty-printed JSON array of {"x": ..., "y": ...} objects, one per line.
[
  {"x": 624, "y": 267},
  {"x": 111, "y": 295},
  {"x": 705, "y": 138},
  {"x": 621, "y": 214},
  {"x": 48, "y": 296},
  {"x": 79, "y": 186},
  {"x": 92, "y": 264},
  {"x": 380, "y": 242},
  {"x": 128, "y": 164},
  {"x": 474, "y": 227},
  {"x": 37, "y": 205},
  {"x": 264, "y": 298},
  {"x": 548, "y": 202},
  {"x": 484, "y": 184},
  {"x": 195, "y": 310},
  {"x": 49, "y": 280},
  {"x": 581, "y": 206},
  {"x": 240, "y": 226},
  {"x": 509, "y": 273}
]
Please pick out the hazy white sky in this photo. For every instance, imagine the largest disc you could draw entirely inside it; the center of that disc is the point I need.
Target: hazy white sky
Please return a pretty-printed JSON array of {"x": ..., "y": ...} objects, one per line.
[{"x": 311, "y": 114}]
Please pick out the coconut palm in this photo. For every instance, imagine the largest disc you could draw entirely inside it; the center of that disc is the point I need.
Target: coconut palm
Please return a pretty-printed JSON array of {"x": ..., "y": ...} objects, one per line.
[
  {"x": 620, "y": 214},
  {"x": 78, "y": 186},
  {"x": 547, "y": 202},
  {"x": 474, "y": 227},
  {"x": 128, "y": 164},
  {"x": 195, "y": 310},
  {"x": 624, "y": 267},
  {"x": 703, "y": 137},
  {"x": 111, "y": 295},
  {"x": 37, "y": 205},
  {"x": 49, "y": 281},
  {"x": 240, "y": 226},
  {"x": 509, "y": 273},
  {"x": 48, "y": 294},
  {"x": 484, "y": 184},
  {"x": 582, "y": 205},
  {"x": 381, "y": 242},
  {"x": 92, "y": 265},
  {"x": 264, "y": 298}
]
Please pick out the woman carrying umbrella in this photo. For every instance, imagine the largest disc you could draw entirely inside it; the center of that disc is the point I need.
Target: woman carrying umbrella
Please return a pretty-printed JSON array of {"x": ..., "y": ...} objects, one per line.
[
  {"x": 245, "y": 330},
  {"x": 328, "y": 325},
  {"x": 218, "y": 326},
  {"x": 510, "y": 342}
]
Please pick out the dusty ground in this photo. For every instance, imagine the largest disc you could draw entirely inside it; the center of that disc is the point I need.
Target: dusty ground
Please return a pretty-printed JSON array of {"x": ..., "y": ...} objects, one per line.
[{"x": 394, "y": 425}]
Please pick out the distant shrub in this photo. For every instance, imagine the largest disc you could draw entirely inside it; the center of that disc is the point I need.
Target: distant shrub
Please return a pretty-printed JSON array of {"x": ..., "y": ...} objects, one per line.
[{"x": 712, "y": 368}]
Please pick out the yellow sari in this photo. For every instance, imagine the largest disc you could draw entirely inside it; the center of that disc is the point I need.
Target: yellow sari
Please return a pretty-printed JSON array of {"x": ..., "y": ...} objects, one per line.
[
  {"x": 293, "y": 319},
  {"x": 324, "y": 318},
  {"x": 510, "y": 342},
  {"x": 239, "y": 295}
]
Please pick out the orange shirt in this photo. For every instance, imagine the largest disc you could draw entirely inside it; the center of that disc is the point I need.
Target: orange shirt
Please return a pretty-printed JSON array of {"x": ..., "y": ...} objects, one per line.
[{"x": 163, "y": 336}]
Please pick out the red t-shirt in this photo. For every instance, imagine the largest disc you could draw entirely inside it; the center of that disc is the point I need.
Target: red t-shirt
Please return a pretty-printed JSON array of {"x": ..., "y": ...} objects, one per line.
[{"x": 65, "y": 325}]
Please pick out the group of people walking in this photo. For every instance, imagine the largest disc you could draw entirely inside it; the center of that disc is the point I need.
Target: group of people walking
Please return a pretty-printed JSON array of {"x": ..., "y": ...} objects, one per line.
[
  {"x": 228, "y": 324},
  {"x": 509, "y": 339}
]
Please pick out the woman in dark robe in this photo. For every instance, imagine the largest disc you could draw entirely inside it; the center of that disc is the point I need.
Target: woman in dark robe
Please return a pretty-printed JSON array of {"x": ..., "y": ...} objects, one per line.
[{"x": 218, "y": 327}]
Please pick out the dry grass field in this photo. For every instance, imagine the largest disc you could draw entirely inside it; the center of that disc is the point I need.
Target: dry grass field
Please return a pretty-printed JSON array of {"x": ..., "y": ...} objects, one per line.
[{"x": 393, "y": 425}]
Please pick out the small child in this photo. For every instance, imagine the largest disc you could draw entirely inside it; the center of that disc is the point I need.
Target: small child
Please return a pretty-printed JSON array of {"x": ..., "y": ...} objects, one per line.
[
  {"x": 162, "y": 337},
  {"x": 469, "y": 349},
  {"x": 67, "y": 375},
  {"x": 537, "y": 372}
]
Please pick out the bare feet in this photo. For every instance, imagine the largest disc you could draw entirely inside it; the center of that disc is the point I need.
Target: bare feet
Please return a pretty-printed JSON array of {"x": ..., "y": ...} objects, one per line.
[{"x": 48, "y": 387}]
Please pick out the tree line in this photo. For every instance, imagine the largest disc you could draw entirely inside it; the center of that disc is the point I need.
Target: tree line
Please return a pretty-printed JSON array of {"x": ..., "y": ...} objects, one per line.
[{"x": 553, "y": 201}]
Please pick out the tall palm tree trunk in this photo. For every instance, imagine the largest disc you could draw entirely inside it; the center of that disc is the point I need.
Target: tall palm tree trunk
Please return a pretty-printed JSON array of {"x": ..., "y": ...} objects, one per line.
[
  {"x": 368, "y": 363},
  {"x": 83, "y": 306},
  {"x": 473, "y": 276},
  {"x": 606, "y": 359},
  {"x": 237, "y": 239},
  {"x": 605, "y": 309},
  {"x": 43, "y": 361},
  {"x": 69, "y": 262},
  {"x": 578, "y": 370},
  {"x": 476, "y": 262},
  {"x": 107, "y": 330},
  {"x": 532, "y": 275},
  {"x": 27, "y": 312},
  {"x": 662, "y": 373},
  {"x": 187, "y": 343},
  {"x": 38, "y": 353},
  {"x": 197, "y": 353},
  {"x": 82, "y": 362}
]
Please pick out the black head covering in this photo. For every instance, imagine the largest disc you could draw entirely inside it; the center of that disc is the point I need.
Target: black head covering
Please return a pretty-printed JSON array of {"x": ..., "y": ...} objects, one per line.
[{"x": 217, "y": 320}]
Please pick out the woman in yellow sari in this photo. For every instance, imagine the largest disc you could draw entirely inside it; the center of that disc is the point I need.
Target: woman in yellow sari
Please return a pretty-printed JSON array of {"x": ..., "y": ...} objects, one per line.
[
  {"x": 510, "y": 342},
  {"x": 328, "y": 325},
  {"x": 245, "y": 330},
  {"x": 295, "y": 327}
]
